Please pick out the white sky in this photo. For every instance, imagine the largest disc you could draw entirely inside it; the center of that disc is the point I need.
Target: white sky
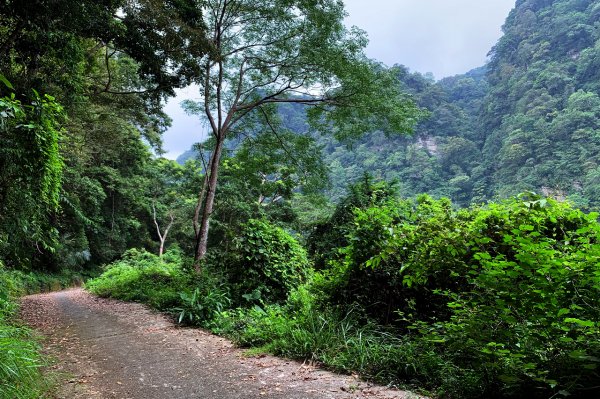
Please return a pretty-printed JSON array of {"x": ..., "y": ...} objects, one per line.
[{"x": 445, "y": 37}]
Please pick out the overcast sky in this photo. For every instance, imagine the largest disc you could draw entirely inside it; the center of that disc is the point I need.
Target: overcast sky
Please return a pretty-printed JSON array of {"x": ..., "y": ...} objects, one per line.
[{"x": 444, "y": 37}]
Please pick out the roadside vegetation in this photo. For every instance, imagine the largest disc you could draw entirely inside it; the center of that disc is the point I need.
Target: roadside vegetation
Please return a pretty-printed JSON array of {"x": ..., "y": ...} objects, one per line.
[
  {"x": 21, "y": 362},
  {"x": 490, "y": 301}
]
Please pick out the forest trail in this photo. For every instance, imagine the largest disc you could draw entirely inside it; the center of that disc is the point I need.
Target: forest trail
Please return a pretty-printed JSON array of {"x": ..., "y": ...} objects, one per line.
[{"x": 119, "y": 350}]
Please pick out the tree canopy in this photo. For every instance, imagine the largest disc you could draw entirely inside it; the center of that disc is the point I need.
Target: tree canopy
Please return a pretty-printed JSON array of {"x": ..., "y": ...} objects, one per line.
[{"x": 274, "y": 52}]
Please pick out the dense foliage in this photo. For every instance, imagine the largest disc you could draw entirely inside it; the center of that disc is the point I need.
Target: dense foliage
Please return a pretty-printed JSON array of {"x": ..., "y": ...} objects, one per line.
[
  {"x": 541, "y": 111},
  {"x": 31, "y": 174},
  {"x": 438, "y": 158},
  {"x": 142, "y": 276},
  {"x": 503, "y": 298},
  {"x": 75, "y": 177},
  {"x": 492, "y": 300},
  {"x": 508, "y": 291},
  {"x": 327, "y": 236},
  {"x": 266, "y": 263}
]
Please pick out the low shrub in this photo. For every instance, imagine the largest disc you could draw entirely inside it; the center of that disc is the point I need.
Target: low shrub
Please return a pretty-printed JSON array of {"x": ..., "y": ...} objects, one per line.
[
  {"x": 144, "y": 277},
  {"x": 265, "y": 264},
  {"x": 201, "y": 306}
]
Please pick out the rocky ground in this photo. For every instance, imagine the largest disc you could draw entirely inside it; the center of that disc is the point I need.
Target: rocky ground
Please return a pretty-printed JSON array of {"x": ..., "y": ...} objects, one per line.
[{"x": 111, "y": 349}]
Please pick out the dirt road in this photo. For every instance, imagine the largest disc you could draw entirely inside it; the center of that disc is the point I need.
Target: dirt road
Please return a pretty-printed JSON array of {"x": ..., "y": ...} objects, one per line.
[{"x": 111, "y": 349}]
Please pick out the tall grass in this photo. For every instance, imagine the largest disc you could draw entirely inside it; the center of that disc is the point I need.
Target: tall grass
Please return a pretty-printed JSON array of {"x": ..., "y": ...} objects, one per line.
[
  {"x": 21, "y": 363},
  {"x": 345, "y": 343}
]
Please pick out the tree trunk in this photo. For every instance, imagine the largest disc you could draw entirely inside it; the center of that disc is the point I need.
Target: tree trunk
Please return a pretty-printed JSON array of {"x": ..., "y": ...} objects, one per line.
[
  {"x": 161, "y": 237},
  {"x": 202, "y": 238},
  {"x": 198, "y": 209},
  {"x": 161, "y": 249}
]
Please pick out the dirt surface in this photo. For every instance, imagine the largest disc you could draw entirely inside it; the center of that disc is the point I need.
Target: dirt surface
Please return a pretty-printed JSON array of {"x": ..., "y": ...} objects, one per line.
[{"x": 113, "y": 349}]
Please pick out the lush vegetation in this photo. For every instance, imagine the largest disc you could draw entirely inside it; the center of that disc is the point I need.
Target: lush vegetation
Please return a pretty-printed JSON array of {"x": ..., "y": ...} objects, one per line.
[
  {"x": 481, "y": 295},
  {"x": 20, "y": 359},
  {"x": 526, "y": 121},
  {"x": 502, "y": 298}
]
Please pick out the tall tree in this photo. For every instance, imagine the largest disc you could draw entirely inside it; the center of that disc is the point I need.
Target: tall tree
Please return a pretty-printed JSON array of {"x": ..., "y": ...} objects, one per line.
[
  {"x": 270, "y": 52},
  {"x": 41, "y": 41}
]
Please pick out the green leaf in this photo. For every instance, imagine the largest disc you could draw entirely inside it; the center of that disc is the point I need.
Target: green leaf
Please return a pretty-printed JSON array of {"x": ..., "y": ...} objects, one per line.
[
  {"x": 582, "y": 323},
  {"x": 6, "y": 82},
  {"x": 563, "y": 311}
]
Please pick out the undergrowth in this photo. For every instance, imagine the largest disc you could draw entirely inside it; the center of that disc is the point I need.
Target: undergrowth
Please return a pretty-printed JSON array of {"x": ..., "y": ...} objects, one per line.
[
  {"x": 143, "y": 277},
  {"x": 21, "y": 363},
  {"x": 497, "y": 301}
]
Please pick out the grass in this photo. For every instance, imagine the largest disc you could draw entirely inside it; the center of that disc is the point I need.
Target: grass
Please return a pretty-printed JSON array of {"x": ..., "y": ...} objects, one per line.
[
  {"x": 343, "y": 344},
  {"x": 21, "y": 362}
]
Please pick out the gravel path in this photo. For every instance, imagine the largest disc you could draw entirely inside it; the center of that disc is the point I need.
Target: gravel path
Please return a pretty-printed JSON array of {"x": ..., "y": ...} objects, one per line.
[{"x": 118, "y": 350}]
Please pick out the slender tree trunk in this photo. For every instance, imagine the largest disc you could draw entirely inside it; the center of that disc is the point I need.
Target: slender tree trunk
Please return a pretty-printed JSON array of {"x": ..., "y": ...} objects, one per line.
[
  {"x": 202, "y": 238},
  {"x": 161, "y": 249},
  {"x": 196, "y": 219},
  {"x": 162, "y": 237}
]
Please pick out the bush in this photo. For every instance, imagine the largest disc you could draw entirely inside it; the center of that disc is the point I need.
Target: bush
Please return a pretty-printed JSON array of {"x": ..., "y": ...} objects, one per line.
[
  {"x": 508, "y": 292},
  {"x": 327, "y": 237},
  {"x": 265, "y": 264},
  {"x": 144, "y": 277},
  {"x": 201, "y": 306}
]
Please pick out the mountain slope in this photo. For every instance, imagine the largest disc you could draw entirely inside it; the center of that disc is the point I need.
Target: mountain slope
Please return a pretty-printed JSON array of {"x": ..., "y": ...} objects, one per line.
[{"x": 542, "y": 113}]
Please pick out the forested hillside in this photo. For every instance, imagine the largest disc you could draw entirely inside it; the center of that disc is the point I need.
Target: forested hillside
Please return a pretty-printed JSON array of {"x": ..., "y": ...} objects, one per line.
[
  {"x": 438, "y": 158},
  {"x": 527, "y": 121},
  {"x": 540, "y": 117}
]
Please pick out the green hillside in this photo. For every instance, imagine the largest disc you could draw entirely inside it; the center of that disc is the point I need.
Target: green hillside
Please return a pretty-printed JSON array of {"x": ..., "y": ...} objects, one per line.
[
  {"x": 529, "y": 123},
  {"x": 541, "y": 114},
  {"x": 438, "y": 158}
]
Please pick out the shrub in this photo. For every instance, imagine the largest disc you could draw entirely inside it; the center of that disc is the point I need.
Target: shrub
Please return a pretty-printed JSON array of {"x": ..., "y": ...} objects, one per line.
[
  {"x": 265, "y": 264},
  {"x": 326, "y": 238},
  {"x": 201, "y": 306},
  {"x": 144, "y": 277},
  {"x": 509, "y": 291}
]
